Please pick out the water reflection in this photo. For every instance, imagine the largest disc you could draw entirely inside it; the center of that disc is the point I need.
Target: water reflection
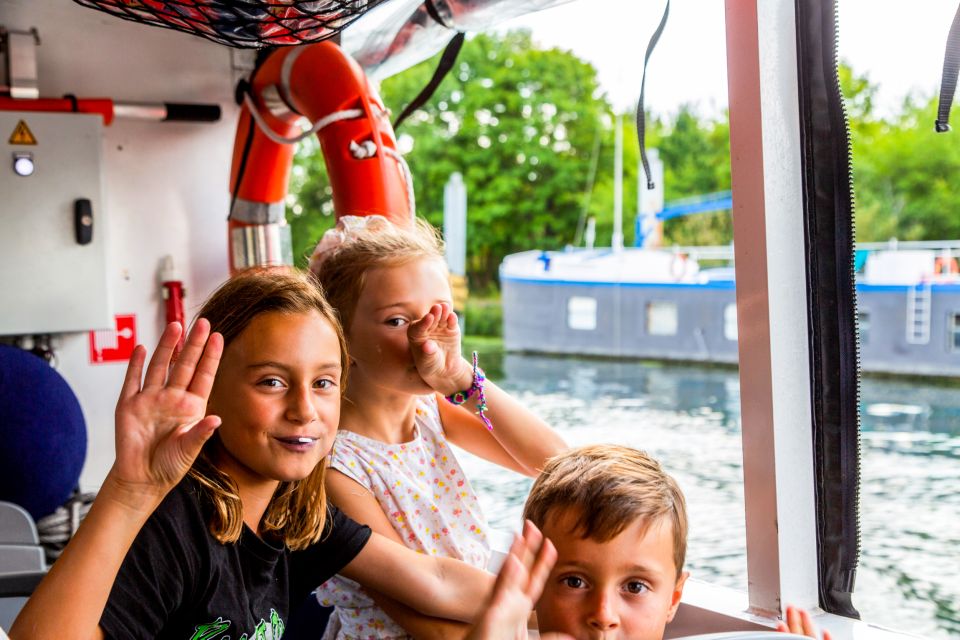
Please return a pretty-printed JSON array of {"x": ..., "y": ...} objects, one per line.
[{"x": 689, "y": 418}]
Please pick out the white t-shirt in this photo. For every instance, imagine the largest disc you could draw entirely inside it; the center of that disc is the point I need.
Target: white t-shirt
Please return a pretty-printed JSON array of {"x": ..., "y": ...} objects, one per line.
[{"x": 429, "y": 501}]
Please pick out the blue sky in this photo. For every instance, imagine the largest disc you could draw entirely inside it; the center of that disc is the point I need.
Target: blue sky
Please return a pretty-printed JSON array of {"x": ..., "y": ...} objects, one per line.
[{"x": 898, "y": 43}]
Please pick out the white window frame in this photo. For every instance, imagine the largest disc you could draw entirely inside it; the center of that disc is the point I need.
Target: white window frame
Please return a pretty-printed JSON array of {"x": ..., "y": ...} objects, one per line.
[
  {"x": 766, "y": 175},
  {"x": 730, "y": 331},
  {"x": 863, "y": 326},
  {"x": 953, "y": 329},
  {"x": 654, "y": 315},
  {"x": 582, "y": 313}
]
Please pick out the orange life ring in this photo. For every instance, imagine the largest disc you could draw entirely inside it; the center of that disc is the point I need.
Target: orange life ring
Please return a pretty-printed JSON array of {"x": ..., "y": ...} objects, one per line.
[
  {"x": 943, "y": 266},
  {"x": 367, "y": 175}
]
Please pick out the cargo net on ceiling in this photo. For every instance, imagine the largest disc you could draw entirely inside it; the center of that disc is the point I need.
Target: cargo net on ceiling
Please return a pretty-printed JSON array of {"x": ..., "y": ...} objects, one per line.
[{"x": 243, "y": 23}]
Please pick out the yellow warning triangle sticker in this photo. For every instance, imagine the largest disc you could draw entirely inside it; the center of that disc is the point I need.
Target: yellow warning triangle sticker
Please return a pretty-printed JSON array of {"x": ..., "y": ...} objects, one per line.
[{"x": 22, "y": 134}]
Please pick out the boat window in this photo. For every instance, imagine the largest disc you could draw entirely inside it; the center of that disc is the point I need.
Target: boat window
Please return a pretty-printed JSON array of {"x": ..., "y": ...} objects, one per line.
[
  {"x": 954, "y": 331},
  {"x": 863, "y": 325},
  {"x": 601, "y": 343},
  {"x": 905, "y": 230},
  {"x": 582, "y": 313},
  {"x": 730, "y": 321},
  {"x": 662, "y": 318}
]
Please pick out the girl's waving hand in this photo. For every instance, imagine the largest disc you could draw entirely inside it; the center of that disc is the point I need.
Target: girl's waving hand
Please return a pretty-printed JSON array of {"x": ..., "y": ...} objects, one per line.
[
  {"x": 160, "y": 428},
  {"x": 160, "y": 423}
]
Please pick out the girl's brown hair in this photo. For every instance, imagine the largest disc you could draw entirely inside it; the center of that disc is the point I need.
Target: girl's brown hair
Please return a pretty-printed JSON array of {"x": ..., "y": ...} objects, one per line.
[
  {"x": 297, "y": 513},
  {"x": 378, "y": 243}
]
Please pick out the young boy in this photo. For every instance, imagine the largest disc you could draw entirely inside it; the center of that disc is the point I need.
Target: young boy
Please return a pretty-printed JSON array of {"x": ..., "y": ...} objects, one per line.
[{"x": 619, "y": 525}]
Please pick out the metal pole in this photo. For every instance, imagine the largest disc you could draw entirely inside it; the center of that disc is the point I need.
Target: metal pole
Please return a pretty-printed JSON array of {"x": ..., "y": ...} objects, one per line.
[{"x": 617, "y": 241}]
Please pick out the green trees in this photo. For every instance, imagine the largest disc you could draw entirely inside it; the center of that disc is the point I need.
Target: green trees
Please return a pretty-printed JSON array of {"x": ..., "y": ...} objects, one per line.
[
  {"x": 905, "y": 174},
  {"x": 532, "y": 134},
  {"x": 309, "y": 205},
  {"x": 518, "y": 122},
  {"x": 696, "y": 158}
]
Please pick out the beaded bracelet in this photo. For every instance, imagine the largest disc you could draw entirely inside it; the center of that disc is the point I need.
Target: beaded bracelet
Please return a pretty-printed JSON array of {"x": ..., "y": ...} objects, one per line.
[{"x": 476, "y": 387}]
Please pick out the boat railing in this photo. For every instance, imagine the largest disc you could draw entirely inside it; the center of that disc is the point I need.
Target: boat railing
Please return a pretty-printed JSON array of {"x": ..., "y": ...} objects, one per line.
[
  {"x": 947, "y": 248},
  {"x": 718, "y": 253},
  {"x": 907, "y": 245}
]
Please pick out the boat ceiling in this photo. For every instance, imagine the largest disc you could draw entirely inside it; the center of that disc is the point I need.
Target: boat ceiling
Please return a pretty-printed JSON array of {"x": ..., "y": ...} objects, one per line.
[
  {"x": 385, "y": 36},
  {"x": 399, "y": 34}
]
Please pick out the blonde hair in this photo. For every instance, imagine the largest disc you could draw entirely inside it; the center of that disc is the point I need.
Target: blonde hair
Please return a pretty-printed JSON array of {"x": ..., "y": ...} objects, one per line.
[
  {"x": 298, "y": 510},
  {"x": 342, "y": 269},
  {"x": 606, "y": 488}
]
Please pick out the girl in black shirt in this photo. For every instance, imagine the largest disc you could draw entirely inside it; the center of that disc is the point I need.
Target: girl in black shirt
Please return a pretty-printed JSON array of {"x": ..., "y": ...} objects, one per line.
[{"x": 214, "y": 506}]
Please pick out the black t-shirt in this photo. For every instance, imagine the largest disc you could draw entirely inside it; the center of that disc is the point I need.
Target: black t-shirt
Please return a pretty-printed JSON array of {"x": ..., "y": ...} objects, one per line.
[{"x": 178, "y": 582}]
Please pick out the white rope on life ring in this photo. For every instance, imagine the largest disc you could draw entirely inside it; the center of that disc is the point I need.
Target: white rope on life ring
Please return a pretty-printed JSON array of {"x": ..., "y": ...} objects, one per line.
[{"x": 360, "y": 151}]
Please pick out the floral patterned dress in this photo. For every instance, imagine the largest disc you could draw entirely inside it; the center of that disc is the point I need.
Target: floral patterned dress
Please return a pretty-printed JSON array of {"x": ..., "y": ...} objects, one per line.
[{"x": 429, "y": 501}]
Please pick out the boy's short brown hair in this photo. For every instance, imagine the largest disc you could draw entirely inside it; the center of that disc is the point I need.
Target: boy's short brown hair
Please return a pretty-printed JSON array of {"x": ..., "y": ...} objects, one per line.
[{"x": 606, "y": 488}]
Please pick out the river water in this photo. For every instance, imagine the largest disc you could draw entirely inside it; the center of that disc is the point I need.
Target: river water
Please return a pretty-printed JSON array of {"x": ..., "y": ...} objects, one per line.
[{"x": 689, "y": 418}]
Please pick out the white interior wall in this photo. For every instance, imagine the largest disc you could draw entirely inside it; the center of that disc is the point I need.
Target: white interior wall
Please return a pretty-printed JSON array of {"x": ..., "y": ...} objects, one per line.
[{"x": 165, "y": 184}]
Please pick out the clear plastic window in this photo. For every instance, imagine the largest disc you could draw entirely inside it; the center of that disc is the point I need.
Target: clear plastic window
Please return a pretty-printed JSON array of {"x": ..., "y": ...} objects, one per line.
[
  {"x": 730, "y": 322},
  {"x": 582, "y": 313},
  {"x": 662, "y": 318}
]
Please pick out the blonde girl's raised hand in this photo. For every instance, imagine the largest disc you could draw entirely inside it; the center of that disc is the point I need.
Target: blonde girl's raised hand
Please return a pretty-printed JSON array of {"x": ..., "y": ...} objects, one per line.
[
  {"x": 511, "y": 436},
  {"x": 160, "y": 422},
  {"x": 435, "y": 343}
]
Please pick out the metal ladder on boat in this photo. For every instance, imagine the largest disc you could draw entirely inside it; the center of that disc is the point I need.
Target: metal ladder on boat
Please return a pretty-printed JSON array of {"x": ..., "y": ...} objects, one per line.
[{"x": 918, "y": 313}]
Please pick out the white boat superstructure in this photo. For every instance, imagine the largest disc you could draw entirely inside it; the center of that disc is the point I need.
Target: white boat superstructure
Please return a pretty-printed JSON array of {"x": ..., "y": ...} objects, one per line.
[{"x": 603, "y": 265}]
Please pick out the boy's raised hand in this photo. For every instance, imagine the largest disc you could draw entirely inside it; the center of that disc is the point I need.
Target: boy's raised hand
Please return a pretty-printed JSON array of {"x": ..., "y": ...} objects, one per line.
[
  {"x": 435, "y": 343},
  {"x": 798, "y": 621},
  {"x": 160, "y": 422},
  {"x": 518, "y": 587}
]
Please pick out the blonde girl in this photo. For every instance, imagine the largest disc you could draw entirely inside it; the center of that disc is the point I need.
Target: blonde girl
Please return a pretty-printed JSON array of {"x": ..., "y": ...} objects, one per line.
[
  {"x": 214, "y": 513},
  {"x": 392, "y": 467}
]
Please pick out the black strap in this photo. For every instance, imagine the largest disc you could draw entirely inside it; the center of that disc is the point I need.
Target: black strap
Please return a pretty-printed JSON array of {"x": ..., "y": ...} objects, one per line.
[
  {"x": 641, "y": 118},
  {"x": 242, "y": 169},
  {"x": 834, "y": 355},
  {"x": 245, "y": 87},
  {"x": 948, "y": 81},
  {"x": 74, "y": 104},
  {"x": 446, "y": 63},
  {"x": 435, "y": 13},
  {"x": 242, "y": 89}
]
